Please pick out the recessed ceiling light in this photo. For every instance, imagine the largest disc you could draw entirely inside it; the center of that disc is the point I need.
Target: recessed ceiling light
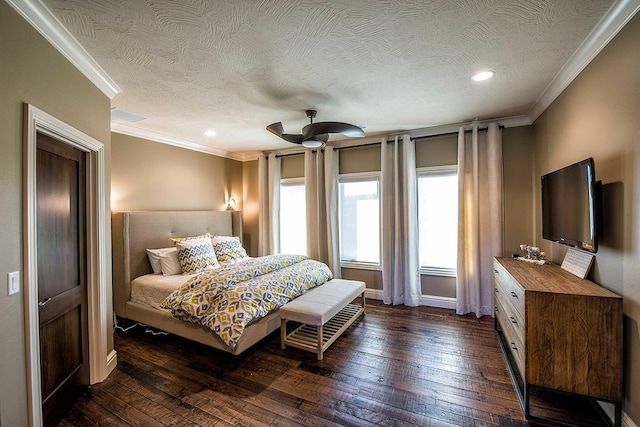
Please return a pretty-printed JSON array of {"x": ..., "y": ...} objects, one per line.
[
  {"x": 483, "y": 75},
  {"x": 209, "y": 133}
]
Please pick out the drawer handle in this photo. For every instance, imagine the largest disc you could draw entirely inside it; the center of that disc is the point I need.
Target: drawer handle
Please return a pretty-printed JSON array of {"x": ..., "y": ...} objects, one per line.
[
  {"x": 513, "y": 294},
  {"x": 513, "y": 346},
  {"x": 513, "y": 320},
  {"x": 496, "y": 271},
  {"x": 496, "y": 290}
]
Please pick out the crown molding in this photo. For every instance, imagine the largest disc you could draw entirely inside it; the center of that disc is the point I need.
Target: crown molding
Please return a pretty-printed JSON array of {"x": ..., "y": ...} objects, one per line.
[
  {"x": 611, "y": 23},
  {"x": 248, "y": 156},
  {"x": 177, "y": 142},
  {"x": 45, "y": 22},
  {"x": 513, "y": 121}
]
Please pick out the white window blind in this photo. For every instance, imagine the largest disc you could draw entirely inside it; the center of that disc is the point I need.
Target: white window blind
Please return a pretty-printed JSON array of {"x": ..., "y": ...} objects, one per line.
[
  {"x": 438, "y": 220},
  {"x": 360, "y": 220},
  {"x": 293, "y": 217}
]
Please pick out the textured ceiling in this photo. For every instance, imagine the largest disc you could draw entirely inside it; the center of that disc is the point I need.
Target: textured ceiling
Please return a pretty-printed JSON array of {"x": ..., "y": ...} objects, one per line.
[{"x": 236, "y": 66}]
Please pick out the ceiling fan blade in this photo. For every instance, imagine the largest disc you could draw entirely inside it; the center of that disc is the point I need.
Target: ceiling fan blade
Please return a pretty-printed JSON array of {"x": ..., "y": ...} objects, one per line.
[
  {"x": 296, "y": 138},
  {"x": 277, "y": 130},
  {"x": 331, "y": 127}
]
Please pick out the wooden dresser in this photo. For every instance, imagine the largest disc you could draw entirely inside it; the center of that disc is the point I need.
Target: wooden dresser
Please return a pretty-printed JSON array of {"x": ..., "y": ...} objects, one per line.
[{"x": 562, "y": 333}]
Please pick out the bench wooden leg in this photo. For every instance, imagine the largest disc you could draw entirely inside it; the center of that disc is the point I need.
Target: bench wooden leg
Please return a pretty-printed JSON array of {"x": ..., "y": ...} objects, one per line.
[
  {"x": 320, "y": 351},
  {"x": 363, "y": 302},
  {"x": 283, "y": 333}
]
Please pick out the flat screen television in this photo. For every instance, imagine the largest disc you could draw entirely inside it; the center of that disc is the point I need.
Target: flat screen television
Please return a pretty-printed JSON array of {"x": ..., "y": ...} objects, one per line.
[{"x": 569, "y": 206}]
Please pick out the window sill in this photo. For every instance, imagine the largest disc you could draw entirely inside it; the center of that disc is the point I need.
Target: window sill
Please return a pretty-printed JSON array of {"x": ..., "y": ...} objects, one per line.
[
  {"x": 434, "y": 271},
  {"x": 360, "y": 265},
  {"x": 441, "y": 272}
]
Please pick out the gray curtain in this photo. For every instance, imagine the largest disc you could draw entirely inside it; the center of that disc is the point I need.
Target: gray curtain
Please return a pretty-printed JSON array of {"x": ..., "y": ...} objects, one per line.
[
  {"x": 400, "y": 264},
  {"x": 321, "y": 193},
  {"x": 269, "y": 202},
  {"x": 480, "y": 213}
]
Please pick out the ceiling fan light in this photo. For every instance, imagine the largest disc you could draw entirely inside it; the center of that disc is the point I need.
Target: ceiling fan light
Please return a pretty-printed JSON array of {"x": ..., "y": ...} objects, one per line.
[{"x": 312, "y": 143}]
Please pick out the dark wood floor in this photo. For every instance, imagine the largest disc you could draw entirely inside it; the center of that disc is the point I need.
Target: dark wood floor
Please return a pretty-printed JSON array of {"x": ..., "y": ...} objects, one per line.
[{"x": 398, "y": 366}]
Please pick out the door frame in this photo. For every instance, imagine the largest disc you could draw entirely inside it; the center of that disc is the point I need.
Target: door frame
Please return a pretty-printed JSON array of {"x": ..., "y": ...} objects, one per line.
[{"x": 100, "y": 363}]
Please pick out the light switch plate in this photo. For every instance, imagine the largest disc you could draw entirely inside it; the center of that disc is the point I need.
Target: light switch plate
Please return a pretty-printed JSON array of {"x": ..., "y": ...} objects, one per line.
[{"x": 13, "y": 282}]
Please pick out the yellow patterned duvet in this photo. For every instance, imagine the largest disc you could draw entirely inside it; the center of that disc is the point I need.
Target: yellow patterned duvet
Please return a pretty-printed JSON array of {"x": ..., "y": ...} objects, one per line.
[{"x": 226, "y": 300}]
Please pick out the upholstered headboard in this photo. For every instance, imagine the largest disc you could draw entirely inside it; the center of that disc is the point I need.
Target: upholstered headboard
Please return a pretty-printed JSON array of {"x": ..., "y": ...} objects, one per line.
[{"x": 135, "y": 232}]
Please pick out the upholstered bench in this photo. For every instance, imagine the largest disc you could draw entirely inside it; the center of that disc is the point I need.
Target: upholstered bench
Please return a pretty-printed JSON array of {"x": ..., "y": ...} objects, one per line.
[{"x": 326, "y": 309}]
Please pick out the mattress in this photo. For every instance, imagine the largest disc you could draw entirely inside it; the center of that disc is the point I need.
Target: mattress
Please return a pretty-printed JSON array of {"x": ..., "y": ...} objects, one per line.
[{"x": 152, "y": 289}]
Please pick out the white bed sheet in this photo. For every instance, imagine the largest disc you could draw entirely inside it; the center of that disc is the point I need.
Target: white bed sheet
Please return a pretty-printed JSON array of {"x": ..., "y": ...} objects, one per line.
[{"x": 152, "y": 289}]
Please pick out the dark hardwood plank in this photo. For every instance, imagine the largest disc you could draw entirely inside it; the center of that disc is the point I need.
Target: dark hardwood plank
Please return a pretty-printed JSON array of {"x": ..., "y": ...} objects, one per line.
[{"x": 397, "y": 366}]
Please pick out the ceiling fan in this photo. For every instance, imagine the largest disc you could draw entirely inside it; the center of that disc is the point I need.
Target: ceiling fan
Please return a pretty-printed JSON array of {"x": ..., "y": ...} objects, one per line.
[{"x": 315, "y": 135}]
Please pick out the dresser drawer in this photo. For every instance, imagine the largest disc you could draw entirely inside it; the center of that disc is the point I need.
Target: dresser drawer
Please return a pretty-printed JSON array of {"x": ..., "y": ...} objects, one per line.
[
  {"x": 509, "y": 288},
  {"x": 514, "y": 344},
  {"x": 509, "y": 313}
]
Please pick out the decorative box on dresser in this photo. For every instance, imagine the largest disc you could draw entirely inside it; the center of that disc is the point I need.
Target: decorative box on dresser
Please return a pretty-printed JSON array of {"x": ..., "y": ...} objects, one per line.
[{"x": 561, "y": 332}]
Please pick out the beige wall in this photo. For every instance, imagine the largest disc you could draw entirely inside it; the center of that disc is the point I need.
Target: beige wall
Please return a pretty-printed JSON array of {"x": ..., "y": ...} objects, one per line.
[
  {"x": 517, "y": 157},
  {"x": 148, "y": 175},
  {"x": 597, "y": 116},
  {"x": 32, "y": 72},
  {"x": 251, "y": 206}
]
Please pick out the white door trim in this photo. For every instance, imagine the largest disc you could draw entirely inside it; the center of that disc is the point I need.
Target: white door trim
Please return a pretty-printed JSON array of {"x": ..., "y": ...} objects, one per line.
[{"x": 99, "y": 361}]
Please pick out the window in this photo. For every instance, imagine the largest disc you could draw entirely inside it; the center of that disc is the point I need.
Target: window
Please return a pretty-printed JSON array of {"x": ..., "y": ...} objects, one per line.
[
  {"x": 293, "y": 217},
  {"x": 438, "y": 220},
  {"x": 360, "y": 220}
]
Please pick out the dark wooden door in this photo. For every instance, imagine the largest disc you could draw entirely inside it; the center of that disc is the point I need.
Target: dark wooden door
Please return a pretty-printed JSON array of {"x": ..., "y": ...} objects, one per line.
[{"x": 62, "y": 274}]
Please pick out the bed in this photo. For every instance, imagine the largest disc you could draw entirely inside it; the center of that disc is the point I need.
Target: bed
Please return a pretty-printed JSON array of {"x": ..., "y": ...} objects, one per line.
[{"x": 133, "y": 233}]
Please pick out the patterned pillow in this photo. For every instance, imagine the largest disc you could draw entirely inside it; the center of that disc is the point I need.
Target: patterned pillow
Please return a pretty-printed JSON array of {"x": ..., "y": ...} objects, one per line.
[
  {"x": 182, "y": 239},
  {"x": 228, "y": 249},
  {"x": 196, "y": 255}
]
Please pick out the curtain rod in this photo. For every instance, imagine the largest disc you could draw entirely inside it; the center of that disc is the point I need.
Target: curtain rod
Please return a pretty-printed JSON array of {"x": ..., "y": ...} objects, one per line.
[
  {"x": 335, "y": 148},
  {"x": 370, "y": 144},
  {"x": 292, "y": 154},
  {"x": 390, "y": 141},
  {"x": 451, "y": 133}
]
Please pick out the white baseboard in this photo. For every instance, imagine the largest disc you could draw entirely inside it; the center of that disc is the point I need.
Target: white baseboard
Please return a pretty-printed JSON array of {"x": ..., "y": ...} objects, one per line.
[
  {"x": 610, "y": 411},
  {"x": 427, "y": 300},
  {"x": 112, "y": 361},
  {"x": 441, "y": 302},
  {"x": 374, "y": 294}
]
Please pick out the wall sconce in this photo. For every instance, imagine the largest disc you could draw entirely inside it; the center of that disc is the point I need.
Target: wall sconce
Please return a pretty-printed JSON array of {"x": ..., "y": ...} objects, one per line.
[{"x": 231, "y": 202}]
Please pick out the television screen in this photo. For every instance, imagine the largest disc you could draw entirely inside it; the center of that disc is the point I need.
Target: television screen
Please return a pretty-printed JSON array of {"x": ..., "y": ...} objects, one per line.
[{"x": 569, "y": 206}]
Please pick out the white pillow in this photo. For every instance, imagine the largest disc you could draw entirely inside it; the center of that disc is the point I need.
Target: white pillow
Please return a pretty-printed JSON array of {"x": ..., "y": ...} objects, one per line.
[
  {"x": 154, "y": 258},
  {"x": 196, "y": 255},
  {"x": 170, "y": 263}
]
